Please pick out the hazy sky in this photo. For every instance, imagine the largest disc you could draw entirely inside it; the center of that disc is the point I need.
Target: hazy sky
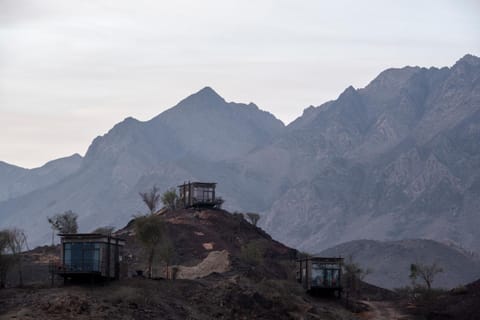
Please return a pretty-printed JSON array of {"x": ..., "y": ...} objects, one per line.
[{"x": 70, "y": 70}]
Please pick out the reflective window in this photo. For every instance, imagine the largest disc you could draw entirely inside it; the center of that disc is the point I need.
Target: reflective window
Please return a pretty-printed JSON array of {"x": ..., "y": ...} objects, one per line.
[
  {"x": 325, "y": 275},
  {"x": 82, "y": 256}
]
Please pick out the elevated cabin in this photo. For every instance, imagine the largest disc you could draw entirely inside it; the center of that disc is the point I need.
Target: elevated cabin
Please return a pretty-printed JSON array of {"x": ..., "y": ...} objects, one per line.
[
  {"x": 90, "y": 256},
  {"x": 320, "y": 274},
  {"x": 197, "y": 194}
]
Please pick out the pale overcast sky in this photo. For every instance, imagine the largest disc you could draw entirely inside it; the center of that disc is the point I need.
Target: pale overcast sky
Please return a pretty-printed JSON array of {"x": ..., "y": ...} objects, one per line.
[{"x": 70, "y": 70}]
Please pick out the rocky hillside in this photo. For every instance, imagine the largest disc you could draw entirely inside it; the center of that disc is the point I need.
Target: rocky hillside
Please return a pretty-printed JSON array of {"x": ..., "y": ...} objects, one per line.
[
  {"x": 191, "y": 141},
  {"x": 390, "y": 261},
  {"x": 213, "y": 241},
  {"x": 16, "y": 181},
  {"x": 397, "y": 159},
  {"x": 216, "y": 278}
]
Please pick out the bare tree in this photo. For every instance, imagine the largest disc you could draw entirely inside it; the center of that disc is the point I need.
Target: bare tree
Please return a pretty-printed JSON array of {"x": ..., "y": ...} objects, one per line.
[
  {"x": 169, "y": 199},
  {"x": 149, "y": 231},
  {"x": 425, "y": 272},
  {"x": 166, "y": 253},
  {"x": 15, "y": 241},
  {"x": 151, "y": 198},
  {"x": 253, "y": 218},
  {"x": 5, "y": 258},
  {"x": 64, "y": 222}
]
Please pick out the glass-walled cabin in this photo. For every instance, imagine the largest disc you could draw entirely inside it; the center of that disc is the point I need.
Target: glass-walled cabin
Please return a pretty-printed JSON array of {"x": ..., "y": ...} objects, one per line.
[
  {"x": 90, "y": 254},
  {"x": 320, "y": 273},
  {"x": 82, "y": 256},
  {"x": 197, "y": 194}
]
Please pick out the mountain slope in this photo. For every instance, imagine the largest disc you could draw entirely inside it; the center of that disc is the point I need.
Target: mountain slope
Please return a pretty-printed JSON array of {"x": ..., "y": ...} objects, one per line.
[
  {"x": 16, "y": 181},
  {"x": 223, "y": 266},
  {"x": 190, "y": 141},
  {"x": 397, "y": 159},
  {"x": 8, "y": 175}
]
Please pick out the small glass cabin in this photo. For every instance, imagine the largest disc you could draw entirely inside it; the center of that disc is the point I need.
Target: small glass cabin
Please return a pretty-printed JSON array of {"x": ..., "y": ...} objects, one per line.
[
  {"x": 197, "y": 194},
  {"x": 90, "y": 255},
  {"x": 320, "y": 274}
]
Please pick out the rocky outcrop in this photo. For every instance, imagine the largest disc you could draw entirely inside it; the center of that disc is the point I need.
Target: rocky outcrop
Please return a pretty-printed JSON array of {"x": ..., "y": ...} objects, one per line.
[{"x": 396, "y": 159}]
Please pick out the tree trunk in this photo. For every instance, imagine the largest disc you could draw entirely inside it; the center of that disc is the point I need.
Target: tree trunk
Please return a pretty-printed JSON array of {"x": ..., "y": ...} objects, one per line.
[
  {"x": 150, "y": 262},
  {"x": 20, "y": 275}
]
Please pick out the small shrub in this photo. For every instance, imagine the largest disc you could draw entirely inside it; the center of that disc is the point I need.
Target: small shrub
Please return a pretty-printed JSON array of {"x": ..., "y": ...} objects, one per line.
[
  {"x": 253, "y": 218},
  {"x": 253, "y": 252}
]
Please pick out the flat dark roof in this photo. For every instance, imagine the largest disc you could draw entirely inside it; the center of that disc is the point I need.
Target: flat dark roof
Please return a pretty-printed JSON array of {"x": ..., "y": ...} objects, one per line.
[
  {"x": 87, "y": 236},
  {"x": 197, "y": 183},
  {"x": 323, "y": 259}
]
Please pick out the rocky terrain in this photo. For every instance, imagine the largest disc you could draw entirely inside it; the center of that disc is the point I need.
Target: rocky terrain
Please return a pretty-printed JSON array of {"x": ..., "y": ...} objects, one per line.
[
  {"x": 389, "y": 261},
  {"x": 191, "y": 141},
  {"x": 240, "y": 289},
  {"x": 227, "y": 286},
  {"x": 397, "y": 159},
  {"x": 461, "y": 303}
]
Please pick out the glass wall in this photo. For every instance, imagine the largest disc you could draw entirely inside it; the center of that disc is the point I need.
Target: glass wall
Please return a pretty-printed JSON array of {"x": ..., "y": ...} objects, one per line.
[
  {"x": 82, "y": 256},
  {"x": 203, "y": 194},
  {"x": 325, "y": 275}
]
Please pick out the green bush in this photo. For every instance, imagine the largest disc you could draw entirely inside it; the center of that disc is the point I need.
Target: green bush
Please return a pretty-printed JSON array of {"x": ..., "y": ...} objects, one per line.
[{"x": 253, "y": 252}]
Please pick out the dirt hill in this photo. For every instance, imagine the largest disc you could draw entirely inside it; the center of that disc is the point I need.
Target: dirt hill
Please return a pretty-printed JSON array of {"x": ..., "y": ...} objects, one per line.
[
  {"x": 212, "y": 241},
  {"x": 227, "y": 269}
]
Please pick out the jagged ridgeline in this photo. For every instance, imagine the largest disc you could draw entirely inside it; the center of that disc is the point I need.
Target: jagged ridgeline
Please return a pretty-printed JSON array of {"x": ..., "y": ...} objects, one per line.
[{"x": 397, "y": 159}]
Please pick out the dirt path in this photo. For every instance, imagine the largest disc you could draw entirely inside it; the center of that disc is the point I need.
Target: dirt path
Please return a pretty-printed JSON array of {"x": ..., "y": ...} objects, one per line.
[{"x": 383, "y": 310}]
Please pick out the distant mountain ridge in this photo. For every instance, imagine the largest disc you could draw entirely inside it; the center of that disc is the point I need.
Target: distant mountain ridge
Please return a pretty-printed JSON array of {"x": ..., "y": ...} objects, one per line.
[
  {"x": 389, "y": 261},
  {"x": 397, "y": 159},
  {"x": 17, "y": 181},
  {"x": 191, "y": 141}
]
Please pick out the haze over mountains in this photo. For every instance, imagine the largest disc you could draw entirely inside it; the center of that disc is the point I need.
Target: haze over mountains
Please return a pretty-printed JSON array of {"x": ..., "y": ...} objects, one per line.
[{"x": 397, "y": 159}]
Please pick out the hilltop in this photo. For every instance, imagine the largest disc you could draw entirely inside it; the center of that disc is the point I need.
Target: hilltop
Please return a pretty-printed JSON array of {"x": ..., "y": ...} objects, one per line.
[
  {"x": 217, "y": 238},
  {"x": 216, "y": 279}
]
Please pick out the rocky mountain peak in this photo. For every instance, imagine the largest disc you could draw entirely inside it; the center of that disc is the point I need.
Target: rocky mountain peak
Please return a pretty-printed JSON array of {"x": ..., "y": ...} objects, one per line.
[
  {"x": 469, "y": 59},
  {"x": 393, "y": 78},
  {"x": 348, "y": 94},
  {"x": 353, "y": 167},
  {"x": 206, "y": 97}
]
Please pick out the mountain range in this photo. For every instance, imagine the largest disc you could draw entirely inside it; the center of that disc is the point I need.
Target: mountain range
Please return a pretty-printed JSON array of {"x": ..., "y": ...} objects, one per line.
[{"x": 397, "y": 159}]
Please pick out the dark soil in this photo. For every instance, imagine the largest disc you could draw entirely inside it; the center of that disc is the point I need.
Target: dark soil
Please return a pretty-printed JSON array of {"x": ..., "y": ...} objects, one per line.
[
  {"x": 460, "y": 303},
  {"x": 260, "y": 289}
]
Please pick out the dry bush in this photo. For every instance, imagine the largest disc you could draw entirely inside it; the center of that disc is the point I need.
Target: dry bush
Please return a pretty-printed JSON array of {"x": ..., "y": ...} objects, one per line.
[{"x": 253, "y": 252}]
